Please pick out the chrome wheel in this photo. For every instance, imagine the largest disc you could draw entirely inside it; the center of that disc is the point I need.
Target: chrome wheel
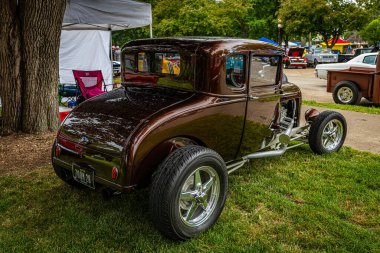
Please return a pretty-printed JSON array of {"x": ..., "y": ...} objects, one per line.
[
  {"x": 345, "y": 94},
  {"x": 199, "y": 196},
  {"x": 332, "y": 134}
]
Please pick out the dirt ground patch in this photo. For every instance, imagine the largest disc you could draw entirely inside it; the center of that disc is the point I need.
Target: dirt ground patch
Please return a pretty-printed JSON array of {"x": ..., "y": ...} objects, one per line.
[{"x": 20, "y": 153}]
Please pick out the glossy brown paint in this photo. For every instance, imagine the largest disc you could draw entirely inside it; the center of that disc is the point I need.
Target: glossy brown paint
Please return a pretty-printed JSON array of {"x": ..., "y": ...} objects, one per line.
[
  {"x": 366, "y": 79},
  {"x": 138, "y": 125}
]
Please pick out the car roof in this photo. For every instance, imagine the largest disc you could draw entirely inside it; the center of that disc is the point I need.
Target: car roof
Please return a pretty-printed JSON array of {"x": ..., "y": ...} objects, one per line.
[
  {"x": 203, "y": 43},
  {"x": 361, "y": 56}
]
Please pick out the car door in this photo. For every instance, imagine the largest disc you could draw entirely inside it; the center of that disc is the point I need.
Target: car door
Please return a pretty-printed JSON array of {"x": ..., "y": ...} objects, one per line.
[{"x": 263, "y": 100}]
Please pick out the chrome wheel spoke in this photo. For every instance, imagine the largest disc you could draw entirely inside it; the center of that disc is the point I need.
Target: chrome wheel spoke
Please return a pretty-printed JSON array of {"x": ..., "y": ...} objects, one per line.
[
  {"x": 197, "y": 179},
  {"x": 204, "y": 203},
  {"x": 191, "y": 211},
  {"x": 207, "y": 186},
  {"x": 325, "y": 141},
  {"x": 188, "y": 196}
]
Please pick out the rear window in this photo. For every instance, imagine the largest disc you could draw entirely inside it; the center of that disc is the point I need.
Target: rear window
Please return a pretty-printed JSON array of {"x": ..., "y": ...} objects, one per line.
[
  {"x": 172, "y": 69},
  {"x": 370, "y": 59}
]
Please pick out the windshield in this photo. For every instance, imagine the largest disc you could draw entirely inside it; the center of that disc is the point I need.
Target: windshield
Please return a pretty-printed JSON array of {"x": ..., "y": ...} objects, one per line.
[
  {"x": 171, "y": 69},
  {"x": 320, "y": 50}
]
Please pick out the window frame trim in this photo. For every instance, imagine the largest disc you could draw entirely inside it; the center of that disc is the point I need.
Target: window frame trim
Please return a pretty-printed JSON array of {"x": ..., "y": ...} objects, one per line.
[
  {"x": 278, "y": 73},
  {"x": 243, "y": 89}
]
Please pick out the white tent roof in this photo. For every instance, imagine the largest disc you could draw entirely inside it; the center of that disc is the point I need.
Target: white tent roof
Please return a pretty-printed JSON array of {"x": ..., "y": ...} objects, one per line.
[
  {"x": 83, "y": 49},
  {"x": 108, "y": 15}
]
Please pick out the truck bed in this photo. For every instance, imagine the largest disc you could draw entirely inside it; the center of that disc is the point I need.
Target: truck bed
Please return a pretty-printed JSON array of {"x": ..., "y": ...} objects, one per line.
[{"x": 363, "y": 77}]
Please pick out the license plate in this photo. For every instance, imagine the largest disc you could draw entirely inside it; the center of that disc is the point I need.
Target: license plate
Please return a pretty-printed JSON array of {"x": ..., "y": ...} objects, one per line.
[{"x": 83, "y": 175}]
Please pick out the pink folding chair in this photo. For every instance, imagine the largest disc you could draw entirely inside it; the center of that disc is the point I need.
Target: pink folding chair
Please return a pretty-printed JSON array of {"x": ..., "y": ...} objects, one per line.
[{"x": 90, "y": 83}]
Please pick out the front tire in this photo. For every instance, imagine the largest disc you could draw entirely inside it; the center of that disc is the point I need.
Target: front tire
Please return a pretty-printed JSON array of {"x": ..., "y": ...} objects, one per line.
[
  {"x": 315, "y": 62},
  {"x": 327, "y": 132},
  {"x": 188, "y": 192},
  {"x": 346, "y": 92}
]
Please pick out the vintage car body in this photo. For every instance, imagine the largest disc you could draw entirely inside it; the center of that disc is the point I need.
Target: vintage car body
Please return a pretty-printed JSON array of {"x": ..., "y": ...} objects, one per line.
[
  {"x": 295, "y": 58},
  {"x": 321, "y": 56},
  {"x": 349, "y": 86},
  {"x": 362, "y": 61},
  {"x": 183, "y": 128}
]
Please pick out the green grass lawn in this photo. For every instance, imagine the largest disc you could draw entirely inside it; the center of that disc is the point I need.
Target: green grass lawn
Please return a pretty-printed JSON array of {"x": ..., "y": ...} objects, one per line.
[
  {"x": 370, "y": 109},
  {"x": 294, "y": 203}
]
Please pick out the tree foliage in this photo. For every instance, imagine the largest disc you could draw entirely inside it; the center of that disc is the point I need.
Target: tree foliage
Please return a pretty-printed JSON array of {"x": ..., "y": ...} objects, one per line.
[
  {"x": 371, "y": 31},
  {"x": 229, "y": 18},
  {"x": 329, "y": 18}
]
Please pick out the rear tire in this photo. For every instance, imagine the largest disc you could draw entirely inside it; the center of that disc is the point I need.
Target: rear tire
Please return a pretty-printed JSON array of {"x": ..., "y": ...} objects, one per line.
[
  {"x": 327, "y": 132},
  {"x": 188, "y": 192},
  {"x": 346, "y": 92}
]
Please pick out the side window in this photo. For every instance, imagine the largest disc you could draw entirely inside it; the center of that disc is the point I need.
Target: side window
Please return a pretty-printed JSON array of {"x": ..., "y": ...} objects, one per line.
[
  {"x": 264, "y": 70},
  {"x": 143, "y": 62},
  {"x": 129, "y": 62},
  {"x": 370, "y": 59},
  {"x": 235, "y": 71}
]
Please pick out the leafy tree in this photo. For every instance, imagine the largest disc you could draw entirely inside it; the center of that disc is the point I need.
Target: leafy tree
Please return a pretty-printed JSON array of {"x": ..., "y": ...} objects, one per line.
[
  {"x": 231, "y": 18},
  {"x": 121, "y": 37},
  {"x": 329, "y": 18},
  {"x": 200, "y": 18},
  {"x": 29, "y": 44},
  {"x": 262, "y": 19},
  {"x": 371, "y": 31}
]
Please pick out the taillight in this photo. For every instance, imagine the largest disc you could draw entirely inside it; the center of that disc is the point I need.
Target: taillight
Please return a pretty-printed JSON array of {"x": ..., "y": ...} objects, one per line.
[
  {"x": 73, "y": 146},
  {"x": 57, "y": 151},
  {"x": 115, "y": 173}
]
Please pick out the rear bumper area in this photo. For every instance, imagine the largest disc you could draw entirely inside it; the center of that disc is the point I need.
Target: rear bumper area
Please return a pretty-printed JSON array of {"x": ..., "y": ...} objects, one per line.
[
  {"x": 298, "y": 64},
  {"x": 102, "y": 165}
]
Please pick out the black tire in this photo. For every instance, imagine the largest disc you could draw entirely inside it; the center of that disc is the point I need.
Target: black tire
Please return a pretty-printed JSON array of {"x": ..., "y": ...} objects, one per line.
[
  {"x": 316, "y": 62},
  {"x": 349, "y": 87},
  {"x": 168, "y": 183},
  {"x": 317, "y": 134}
]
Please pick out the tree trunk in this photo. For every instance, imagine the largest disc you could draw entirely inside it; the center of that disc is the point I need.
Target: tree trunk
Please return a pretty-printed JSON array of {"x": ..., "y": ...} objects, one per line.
[
  {"x": 10, "y": 73},
  {"x": 29, "y": 64}
]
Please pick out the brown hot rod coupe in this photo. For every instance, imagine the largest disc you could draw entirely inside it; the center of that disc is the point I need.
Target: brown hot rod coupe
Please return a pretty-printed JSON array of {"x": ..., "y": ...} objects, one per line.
[{"x": 191, "y": 111}]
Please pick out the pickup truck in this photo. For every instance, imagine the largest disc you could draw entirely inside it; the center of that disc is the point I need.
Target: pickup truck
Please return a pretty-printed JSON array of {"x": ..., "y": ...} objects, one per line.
[
  {"x": 190, "y": 112},
  {"x": 321, "y": 56},
  {"x": 349, "y": 86}
]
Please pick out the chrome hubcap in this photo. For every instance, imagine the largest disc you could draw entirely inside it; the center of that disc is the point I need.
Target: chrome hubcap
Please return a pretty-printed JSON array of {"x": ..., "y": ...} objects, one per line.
[
  {"x": 345, "y": 94},
  {"x": 199, "y": 196},
  {"x": 332, "y": 134}
]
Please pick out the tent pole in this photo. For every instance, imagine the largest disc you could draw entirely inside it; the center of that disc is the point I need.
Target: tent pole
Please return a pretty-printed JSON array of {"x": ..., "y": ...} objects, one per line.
[
  {"x": 111, "y": 56},
  {"x": 151, "y": 30}
]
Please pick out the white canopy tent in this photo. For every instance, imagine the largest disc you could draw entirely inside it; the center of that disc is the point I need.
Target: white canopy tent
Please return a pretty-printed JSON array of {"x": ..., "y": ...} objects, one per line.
[{"x": 86, "y": 33}]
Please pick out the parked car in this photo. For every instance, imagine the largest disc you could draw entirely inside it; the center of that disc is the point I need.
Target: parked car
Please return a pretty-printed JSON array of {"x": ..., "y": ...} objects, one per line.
[
  {"x": 358, "y": 51},
  {"x": 321, "y": 55},
  {"x": 349, "y": 86},
  {"x": 116, "y": 68},
  {"x": 361, "y": 61},
  {"x": 295, "y": 58},
  {"x": 184, "y": 132}
]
